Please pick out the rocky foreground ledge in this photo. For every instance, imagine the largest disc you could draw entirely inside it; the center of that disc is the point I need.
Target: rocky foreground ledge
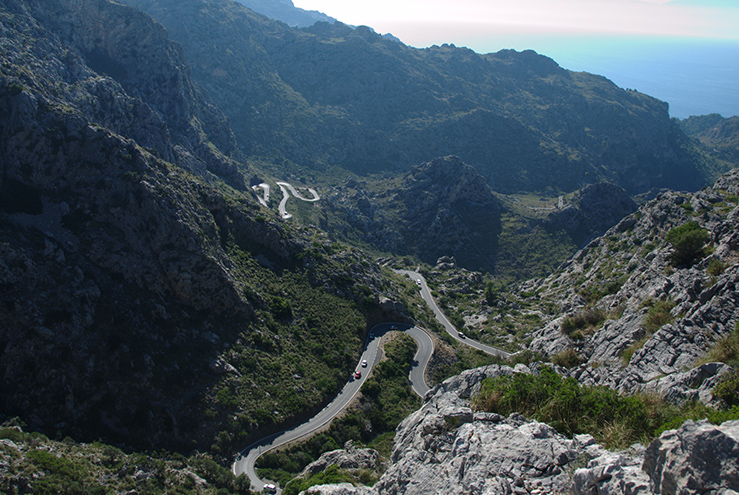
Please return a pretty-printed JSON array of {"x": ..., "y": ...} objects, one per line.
[{"x": 446, "y": 448}]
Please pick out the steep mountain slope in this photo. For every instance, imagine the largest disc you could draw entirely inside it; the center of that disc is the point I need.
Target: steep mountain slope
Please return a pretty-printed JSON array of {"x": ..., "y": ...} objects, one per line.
[
  {"x": 642, "y": 304},
  {"x": 719, "y": 134},
  {"x": 332, "y": 95},
  {"x": 138, "y": 56},
  {"x": 143, "y": 299}
]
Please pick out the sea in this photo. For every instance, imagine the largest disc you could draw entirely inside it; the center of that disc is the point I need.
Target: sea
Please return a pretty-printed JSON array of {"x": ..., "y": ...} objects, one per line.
[{"x": 695, "y": 76}]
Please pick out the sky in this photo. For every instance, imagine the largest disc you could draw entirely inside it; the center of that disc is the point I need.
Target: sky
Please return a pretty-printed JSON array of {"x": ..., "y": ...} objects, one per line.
[{"x": 685, "y": 52}]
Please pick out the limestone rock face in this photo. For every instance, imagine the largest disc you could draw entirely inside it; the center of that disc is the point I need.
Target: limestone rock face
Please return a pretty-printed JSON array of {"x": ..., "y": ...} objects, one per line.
[
  {"x": 611, "y": 474},
  {"x": 629, "y": 271},
  {"x": 446, "y": 448},
  {"x": 349, "y": 457},
  {"x": 696, "y": 458}
]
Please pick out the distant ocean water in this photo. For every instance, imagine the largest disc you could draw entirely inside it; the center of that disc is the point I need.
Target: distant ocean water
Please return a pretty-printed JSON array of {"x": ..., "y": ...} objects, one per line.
[{"x": 696, "y": 77}]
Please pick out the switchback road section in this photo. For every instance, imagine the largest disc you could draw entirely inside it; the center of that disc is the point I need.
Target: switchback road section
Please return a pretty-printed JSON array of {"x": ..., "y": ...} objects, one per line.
[
  {"x": 441, "y": 318},
  {"x": 245, "y": 463},
  {"x": 286, "y": 189}
]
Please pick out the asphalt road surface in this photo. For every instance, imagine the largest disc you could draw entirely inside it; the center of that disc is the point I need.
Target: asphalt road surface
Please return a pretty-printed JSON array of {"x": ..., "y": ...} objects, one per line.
[
  {"x": 245, "y": 463},
  {"x": 441, "y": 318}
]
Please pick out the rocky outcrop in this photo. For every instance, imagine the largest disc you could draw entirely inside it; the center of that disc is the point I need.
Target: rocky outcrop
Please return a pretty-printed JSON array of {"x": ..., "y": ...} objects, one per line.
[
  {"x": 696, "y": 458},
  {"x": 628, "y": 274},
  {"x": 446, "y": 447},
  {"x": 593, "y": 210},
  {"x": 349, "y": 457}
]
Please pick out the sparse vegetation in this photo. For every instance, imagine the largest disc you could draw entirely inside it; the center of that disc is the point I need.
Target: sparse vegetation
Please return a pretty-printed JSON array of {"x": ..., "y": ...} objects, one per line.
[
  {"x": 332, "y": 474},
  {"x": 659, "y": 314},
  {"x": 386, "y": 399},
  {"x": 635, "y": 346},
  {"x": 583, "y": 323},
  {"x": 715, "y": 267},
  {"x": 567, "y": 358},
  {"x": 725, "y": 350},
  {"x": 35, "y": 464},
  {"x": 614, "y": 420}
]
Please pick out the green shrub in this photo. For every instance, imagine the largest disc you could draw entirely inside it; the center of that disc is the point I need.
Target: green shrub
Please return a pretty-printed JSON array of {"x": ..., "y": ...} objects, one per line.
[
  {"x": 687, "y": 241},
  {"x": 573, "y": 409},
  {"x": 728, "y": 390},
  {"x": 715, "y": 267},
  {"x": 280, "y": 307},
  {"x": 614, "y": 420},
  {"x": 659, "y": 315},
  {"x": 567, "y": 358},
  {"x": 587, "y": 319},
  {"x": 332, "y": 474}
]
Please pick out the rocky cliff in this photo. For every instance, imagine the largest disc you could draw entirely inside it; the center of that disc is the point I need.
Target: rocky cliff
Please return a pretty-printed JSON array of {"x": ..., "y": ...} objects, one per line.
[
  {"x": 659, "y": 313},
  {"x": 447, "y": 447}
]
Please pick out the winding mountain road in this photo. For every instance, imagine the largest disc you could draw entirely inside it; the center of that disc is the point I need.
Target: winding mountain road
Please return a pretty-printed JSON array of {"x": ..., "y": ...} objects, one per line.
[
  {"x": 286, "y": 189},
  {"x": 441, "y": 318},
  {"x": 264, "y": 198},
  {"x": 245, "y": 463}
]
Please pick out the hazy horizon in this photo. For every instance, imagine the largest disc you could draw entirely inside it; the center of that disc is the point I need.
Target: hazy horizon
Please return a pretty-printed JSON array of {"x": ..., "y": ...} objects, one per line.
[{"x": 684, "y": 52}]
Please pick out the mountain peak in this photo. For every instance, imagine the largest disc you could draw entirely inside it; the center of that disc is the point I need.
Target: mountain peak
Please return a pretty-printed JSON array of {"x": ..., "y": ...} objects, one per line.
[{"x": 285, "y": 11}]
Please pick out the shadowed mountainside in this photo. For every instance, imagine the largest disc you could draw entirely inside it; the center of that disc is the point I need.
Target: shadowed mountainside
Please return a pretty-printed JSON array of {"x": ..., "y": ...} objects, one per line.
[
  {"x": 144, "y": 300},
  {"x": 333, "y": 95}
]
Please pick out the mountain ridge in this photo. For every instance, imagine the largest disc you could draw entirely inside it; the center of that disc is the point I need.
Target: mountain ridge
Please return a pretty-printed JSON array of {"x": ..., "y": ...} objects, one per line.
[
  {"x": 150, "y": 301},
  {"x": 287, "y": 12},
  {"x": 329, "y": 95}
]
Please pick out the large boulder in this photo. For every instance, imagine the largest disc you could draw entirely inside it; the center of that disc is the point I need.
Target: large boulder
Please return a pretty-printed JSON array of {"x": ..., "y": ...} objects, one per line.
[{"x": 696, "y": 458}]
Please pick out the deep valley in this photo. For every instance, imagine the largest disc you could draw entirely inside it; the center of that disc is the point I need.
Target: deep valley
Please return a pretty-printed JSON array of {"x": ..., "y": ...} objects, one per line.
[{"x": 159, "y": 312}]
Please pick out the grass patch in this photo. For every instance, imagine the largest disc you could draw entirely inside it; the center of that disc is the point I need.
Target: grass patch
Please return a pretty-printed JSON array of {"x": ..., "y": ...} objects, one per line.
[
  {"x": 583, "y": 324},
  {"x": 725, "y": 350},
  {"x": 715, "y": 267},
  {"x": 659, "y": 315},
  {"x": 629, "y": 351}
]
